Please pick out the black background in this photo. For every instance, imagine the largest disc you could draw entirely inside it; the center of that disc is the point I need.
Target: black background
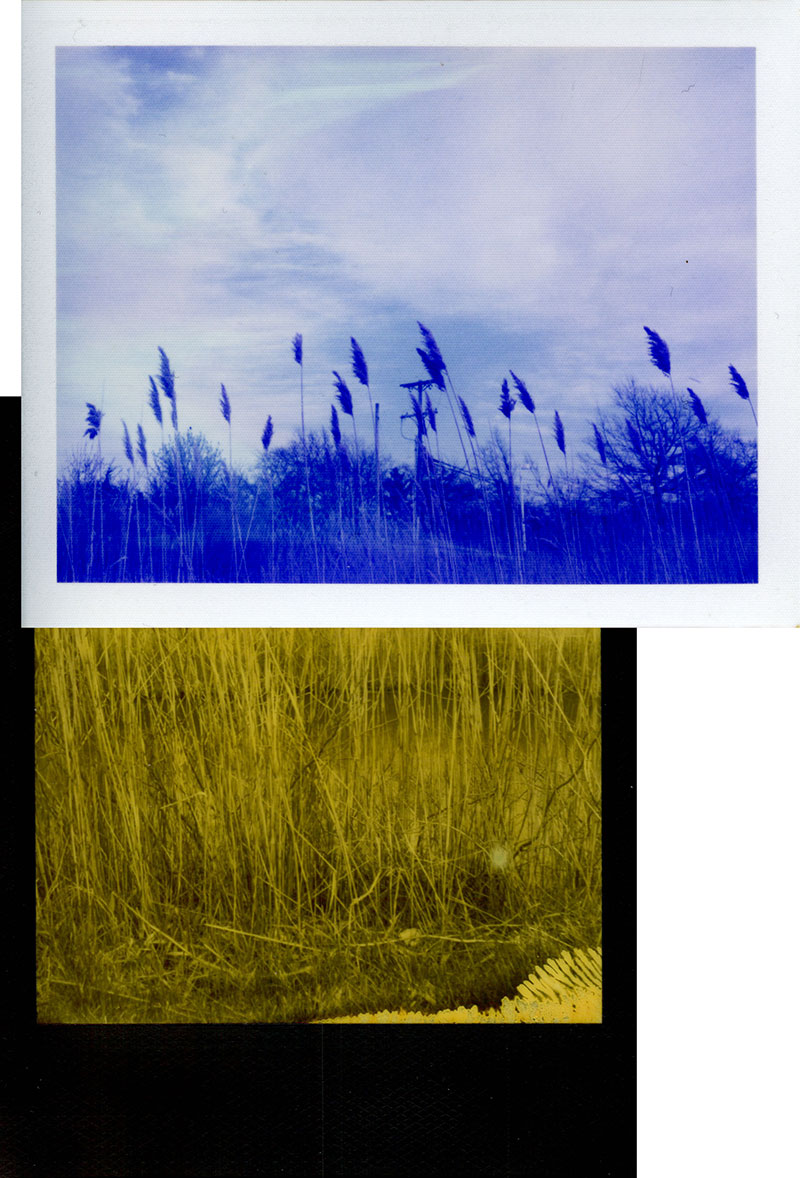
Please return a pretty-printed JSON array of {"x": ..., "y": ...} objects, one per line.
[{"x": 314, "y": 1100}]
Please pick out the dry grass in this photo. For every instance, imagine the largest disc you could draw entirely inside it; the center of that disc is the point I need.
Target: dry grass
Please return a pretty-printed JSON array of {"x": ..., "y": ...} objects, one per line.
[
  {"x": 566, "y": 990},
  {"x": 244, "y": 824}
]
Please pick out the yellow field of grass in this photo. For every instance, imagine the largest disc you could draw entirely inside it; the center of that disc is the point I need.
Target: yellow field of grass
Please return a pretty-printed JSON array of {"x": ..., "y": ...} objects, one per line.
[{"x": 240, "y": 825}]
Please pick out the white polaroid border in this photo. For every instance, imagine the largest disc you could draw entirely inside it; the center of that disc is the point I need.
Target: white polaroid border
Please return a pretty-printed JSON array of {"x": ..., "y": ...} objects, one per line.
[{"x": 772, "y": 28}]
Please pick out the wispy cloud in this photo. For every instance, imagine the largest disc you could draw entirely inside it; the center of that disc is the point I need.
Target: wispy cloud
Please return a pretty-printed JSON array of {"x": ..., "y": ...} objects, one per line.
[{"x": 535, "y": 206}]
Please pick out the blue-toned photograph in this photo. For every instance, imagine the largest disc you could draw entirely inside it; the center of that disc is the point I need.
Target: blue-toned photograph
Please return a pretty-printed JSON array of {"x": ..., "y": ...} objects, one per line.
[{"x": 406, "y": 315}]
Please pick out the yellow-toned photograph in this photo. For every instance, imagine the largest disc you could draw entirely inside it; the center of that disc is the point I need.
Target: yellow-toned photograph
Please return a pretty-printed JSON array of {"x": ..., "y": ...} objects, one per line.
[{"x": 306, "y": 825}]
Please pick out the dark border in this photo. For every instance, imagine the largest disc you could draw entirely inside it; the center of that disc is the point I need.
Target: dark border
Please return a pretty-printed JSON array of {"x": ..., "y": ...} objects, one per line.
[{"x": 335, "y": 1100}]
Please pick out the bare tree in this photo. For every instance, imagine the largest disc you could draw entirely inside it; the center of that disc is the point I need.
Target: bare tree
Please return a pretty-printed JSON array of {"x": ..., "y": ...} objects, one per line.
[{"x": 645, "y": 439}]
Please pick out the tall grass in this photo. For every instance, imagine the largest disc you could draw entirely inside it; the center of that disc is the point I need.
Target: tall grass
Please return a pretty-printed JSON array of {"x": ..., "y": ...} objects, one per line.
[
  {"x": 245, "y": 824},
  {"x": 297, "y": 349},
  {"x": 659, "y": 354},
  {"x": 361, "y": 373},
  {"x": 94, "y": 420},
  {"x": 651, "y": 493},
  {"x": 236, "y": 536},
  {"x": 166, "y": 382}
]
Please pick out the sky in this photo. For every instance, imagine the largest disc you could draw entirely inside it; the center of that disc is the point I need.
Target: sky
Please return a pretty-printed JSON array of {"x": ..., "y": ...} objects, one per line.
[{"x": 534, "y": 208}]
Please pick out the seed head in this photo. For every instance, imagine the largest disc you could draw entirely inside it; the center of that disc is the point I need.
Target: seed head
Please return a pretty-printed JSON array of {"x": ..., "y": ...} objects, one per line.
[
  {"x": 141, "y": 445},
  {"x": 155, "y": 403},
  {"x": 93, "y": 420},
  {"x": 465, "y": 413},
  {"x": 558, "y": 432},
  {"x": 225, "y": 404},
  {"x": 432, "y": 347},
  {"x": 433, "y": 369},
  {"x": 524, "y": 395},
  {"x": 166, "y": 379},
  {"x": 738, "y": 384},
  {"x": 126, "y": 443},
  {"x": 659, "y": 352},
  {"x": 507, "y": 402},
  {"x": 697, "y": 406},
  {"x": 344, "y": 395},
  {"x": 430, "y": 413},
  {"x": 419, "y": 416},
  {"x": 600, "y": 444},
  {"x": 336, "y": 432},
  {"x": 359, "y": 364}
]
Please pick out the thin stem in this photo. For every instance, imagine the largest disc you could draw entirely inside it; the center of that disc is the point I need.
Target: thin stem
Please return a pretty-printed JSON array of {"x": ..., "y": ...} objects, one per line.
[{"x": 308, "y": 481}]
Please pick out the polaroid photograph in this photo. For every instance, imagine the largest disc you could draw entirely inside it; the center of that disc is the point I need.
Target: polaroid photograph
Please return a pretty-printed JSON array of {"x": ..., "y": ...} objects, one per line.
[
  {"x": 420, "y": 313},
  {"x": 322, "y": 825}
]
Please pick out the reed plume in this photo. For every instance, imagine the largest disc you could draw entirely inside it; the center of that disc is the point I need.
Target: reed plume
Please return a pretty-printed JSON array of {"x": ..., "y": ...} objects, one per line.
[
  {"x": 434, "y": 355},
  {"x": 297, "y": 349},
  {"x": 430, "y": 413},
  {"x": 507, "y": 402},
  {"x": 697, "y": 407},
  {"x": 345, "y": 399},
  {"x": 738, "y": 384},
  {"x": 361, "y": 374},
  {"x": 166, "y": 379},
  {"x": 126, "y": 443},
  {"x": 432, "y": 368},
  {"x": 225, "y": 405},
  {"x": 343, "y": 394},
  {"x": 468, "y": 422},
  {"x": 436, "y": 369},
  {"x": 647, "y": 427},
  {"x": 141, "y": 446},
  {"x": 336, "y": 432},
  {"x": 360, "y": 371},
  {"x": 524, "y": 396},
  {"x": 599, "y": 444},
  {"x": 155, "y": 403},
  {"x": 266, "y": 440},
  {"x": 527, "y": 400},
  {"x": 558, "y": 434},
  {"x": 659, "y": 352},
  {"x": 419, "y": 415},
  {"x": 94, "y": 419},
  {"x": 741, "y": 389}
]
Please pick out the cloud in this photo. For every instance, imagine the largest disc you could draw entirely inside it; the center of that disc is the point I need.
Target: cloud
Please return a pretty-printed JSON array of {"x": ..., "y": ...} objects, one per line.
[{"x": 536, "y": 206}]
